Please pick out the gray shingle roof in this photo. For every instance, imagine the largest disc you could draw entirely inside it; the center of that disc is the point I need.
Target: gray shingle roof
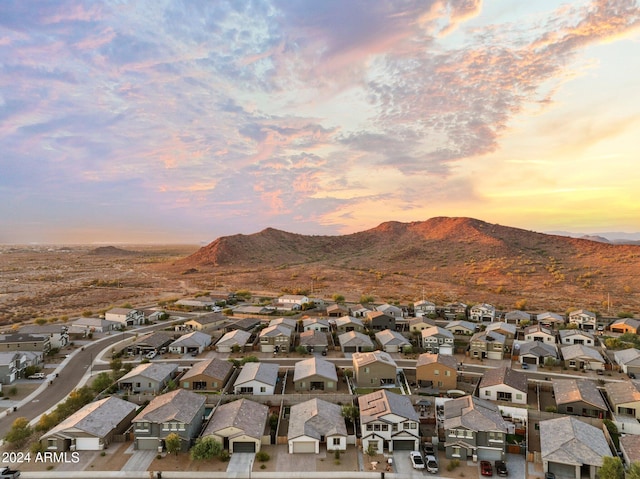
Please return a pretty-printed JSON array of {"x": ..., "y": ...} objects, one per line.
[
  {"x": 153, "y": 371},
  {"x": 473, "y": 413},
  {"x": 238, "y": 337},
  {"x": 316, "y": 418},
  {"x": 248, "y": 416},
  {"x": 315, "y": 367},
  {"x": 581, "y": 351},
  {"x": 506, "y": 376},
  {"x": 313, "y": 338},
  {"x": 266, "y": 373},
  {"x": 354, "y": 338},
  {"x": 569, "y": 391},
  {"x": 388, "y": 337},
  {"x": 538, "y": 348},
  {"x": 179, "y": 405},
  {"x": 380, "y": 403},
  {"x": 623, "y": 392},
  {"x": 567, "y": 440},
  {"x": 444, "y": 359},
  {"x": 215, "y": 368},
  {"x": 194, "y": 339}
]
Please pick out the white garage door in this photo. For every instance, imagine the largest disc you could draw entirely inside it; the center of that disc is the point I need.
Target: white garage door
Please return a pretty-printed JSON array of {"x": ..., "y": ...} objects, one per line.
[
  {"x": 304, "y": 447},
  {"x": 88, "y": 444},
  {"x": 267, "y": 348},
  {"x": 494, "y": 355},
  {"x": 489, "y": 454}
]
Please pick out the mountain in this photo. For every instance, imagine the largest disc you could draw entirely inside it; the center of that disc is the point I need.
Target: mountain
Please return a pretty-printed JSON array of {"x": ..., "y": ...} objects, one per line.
[{"x": 444, "y": 258}]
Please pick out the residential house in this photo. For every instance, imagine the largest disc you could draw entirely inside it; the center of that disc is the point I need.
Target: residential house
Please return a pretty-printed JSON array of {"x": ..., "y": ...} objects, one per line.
[
  {"x": 9, "y": 366},
  {"x": 535, "y": 352},
  {"x": 576, "y": 336},
  {"x": 202, "y": 302},
  {"x": 205, "y": 323},
  {"x": 624, "y": 397},
  {"x": 58, "y": 334},
  {"x": 316, "y": 422},
  {"x": 244, "y": 324},
  {"x": 516, "y": 317},
  {"x": 390, "y": 310},
  {"x": 156, "y": 342},
  {"x": 353, "y": 342},
  {"x": 630, "y": 449},
  {"x": 437, "y": 340},
  {"x": 374, "y": 369},
  {"x": 482, "y": 312},
  {"x": 346, "y": 324},
  {"x": 437, "y": 371},
  {"x": 378, "y": 321},
  {"x": 578, "y": 356},
  {"x": 628, "y": 360},
  {"x": 191, "y": 343},
  {"x": 463, "y": 327},
  {"x": 293, "y": 301},
  {"x": 315, "y": 374},
  {"x": 24, "y": 342},
  {"x": 538, "y": 332},
  {"x": 314, "y": 341},
  {"x": 625, "y": 325},
  {"x": 148, "y": 378},
  {"x": 504, "y": 384},
  {"x": 474, "y": 428},
  {"x": 583, "y": 319},
  {"x": 420, "y": 323},
  {"x": 424, "y": 308},
  {"x": 359, "y": 311},
  {"x": 258, "y": 379},
  {"x": 455, "y": 310},
  {"x": 550, "y": 320},
  {"x": 579, "y": 397},
  {"x": 251, "y": 309},
  {"x": 240, "y": 426},
  {"x": 572, "y": 448},
  {"x": 178, "y": 412},
  {"x": 507, "y": 330},
  {"x": 85, "y": 326},
  {"x": 388, "y": 421},
  {"x": 392, "y": 341},
  {"x": 275, "y": 339},
  {"x": 316, "y": 324},
  {"x": 125, "y": 317},
  {"x": 91, "y": 428},
  {"x": 237, "y": 339},
  {"x": 290, "y": 323},
  {"x": 336, "y": 310},
  {"x": 207, "y": 375},
  {"x": 487, "y": 345}
]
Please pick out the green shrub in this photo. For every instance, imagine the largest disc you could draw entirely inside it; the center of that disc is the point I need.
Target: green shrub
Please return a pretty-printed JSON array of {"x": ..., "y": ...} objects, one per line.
[
  {"x": 262, "y": 456},
  {"x": 453, "y": 464},
  {"x": 225, "y": 456}
]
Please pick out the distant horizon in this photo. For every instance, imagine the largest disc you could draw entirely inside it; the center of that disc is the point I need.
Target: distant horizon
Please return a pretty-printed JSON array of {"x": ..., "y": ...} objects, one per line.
[{"x": 128, "y": 122}]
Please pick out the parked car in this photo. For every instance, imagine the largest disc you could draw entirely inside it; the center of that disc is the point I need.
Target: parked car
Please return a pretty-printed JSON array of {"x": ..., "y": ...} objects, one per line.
[
  {"x": 428, "y": 449},
  {"x": 432, "y": 464},
  {"x": 37, "y": 376},
  {"x": 525, "y": 366},
  {"x": 485, "y": 468},
  {"x": 6, "y": 473},
  {"x": 501, "y": 468},
  {"x": 416, "y": 460},
  {"x": 549, "y": 475},
  {"x": 631, "y": 375},
  {"x": 599, "y": 372},
  {"x": 151, "y": 355}
]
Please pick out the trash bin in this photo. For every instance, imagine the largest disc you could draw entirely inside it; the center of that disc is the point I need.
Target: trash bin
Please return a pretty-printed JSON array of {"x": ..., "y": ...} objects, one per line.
[{"x": 159, "y": 474}]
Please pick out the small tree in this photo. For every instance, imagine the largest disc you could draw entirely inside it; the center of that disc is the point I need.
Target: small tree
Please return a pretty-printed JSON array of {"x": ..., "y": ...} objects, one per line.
[
  {"x": 40, "y": 321},
  {"x": 611, "y": 468},
  {"x": 302, "y": 350},
  {"x": 101, "y": 382},
  {"x": 116, "y": 365},
  {"x": 350, "y": 413},
  {"x": 173, "y": 443},
  {"x": 206, "y": 448},
  {"x": 19, "y": 432},
  {"x": 366, "y": 298},
  {"x": 634, "y": 471},
  {"x": 338, "y": 298}
]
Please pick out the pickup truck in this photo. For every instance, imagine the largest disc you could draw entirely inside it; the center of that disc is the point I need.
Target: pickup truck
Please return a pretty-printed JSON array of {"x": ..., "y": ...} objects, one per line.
[{"x": 6, "y": 473}]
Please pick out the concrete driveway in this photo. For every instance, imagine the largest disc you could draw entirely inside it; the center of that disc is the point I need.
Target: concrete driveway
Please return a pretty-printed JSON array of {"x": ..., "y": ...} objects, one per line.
[{"x": 241, "y": 463}]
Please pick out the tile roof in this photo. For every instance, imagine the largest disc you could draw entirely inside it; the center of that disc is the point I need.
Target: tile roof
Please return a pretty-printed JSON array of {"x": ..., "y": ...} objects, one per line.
[
  {"x": 344, "y": 320},
  {"x": 354, "y": 338},
  {"x": 461, "y": 323},
  {"x": 623, "y": 392},
  {"x": 625, "y": 355},
  {"x": 313, "y": 338},
  {"x": 378, "y": 404},
  {"x": 567, "y": 440},
  {"x": 194, "y": 339},
  {"x": 575, "y": 351},
  {"x": 436, "y": 331},
  {"x": 444, "y": 359},
  {"x": 567, "y": 333},
  {"x": 316, "y": 418},
  {"x": 238, "y": 337},
  {"x": 504, "y": 375},
  {"x": 573, "y": 390},
  {"x": 276, "y": 330},
  {"x": 502, "y": 326},
  {"x": 473, "y": 413},
  {"x": 248, "y": 416},
  {"x": 630, "y": 443},
  {"x": 153, "y": 371},
  {"x": 266, "y": 373},
  {"x": 180, "y": 405},
  {"x": 388, "y": 337},
  {"x": 215, "y": 368},
  {"x": 155, "y": 340},
  {"x": 538, "y": 349},
  {"x": 315, "y": 367}
]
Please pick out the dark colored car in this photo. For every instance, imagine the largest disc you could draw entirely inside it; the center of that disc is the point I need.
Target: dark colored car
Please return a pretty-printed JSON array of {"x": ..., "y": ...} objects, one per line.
[
  {"x": 485, "y": 468},
  {"x": 501, "y": 468},
  {"x": 428, "y": 449},
  {"x": 549, "y": 475}
]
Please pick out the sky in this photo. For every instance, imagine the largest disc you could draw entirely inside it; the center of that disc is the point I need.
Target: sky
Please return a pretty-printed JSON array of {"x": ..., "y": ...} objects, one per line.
[{"x": 182, "y": 121}]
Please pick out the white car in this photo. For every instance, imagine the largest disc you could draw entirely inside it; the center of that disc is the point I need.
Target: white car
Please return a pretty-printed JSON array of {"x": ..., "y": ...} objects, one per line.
[
  {"x": 432, "y": 464},
  {"x": 416, "y": 460},
  {"x": 151, "y": 355}
]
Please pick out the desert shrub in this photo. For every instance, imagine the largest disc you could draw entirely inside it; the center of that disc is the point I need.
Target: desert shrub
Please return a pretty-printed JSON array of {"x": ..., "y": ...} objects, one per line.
[
  {"x": 453, "y": 464},
  {"x": 225, "y": 456},
  {"x": 262, "y": 456}
]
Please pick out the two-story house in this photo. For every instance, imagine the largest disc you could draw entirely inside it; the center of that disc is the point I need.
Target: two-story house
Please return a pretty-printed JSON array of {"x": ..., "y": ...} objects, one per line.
[
  {"x": 125, "y": 317},
  {"x": 474, "y": 428},
  {"x": 437, "y": 340},
  {"x": 437, "y": 371},
  {"x": 580, "y": 397},
  {"x": 482, "y": 312},
  {"x": 583, "y": 319},
  {"x": 293, "y": 301},
  {"x": 538, "y": 332},
  {"x": 58, "y": 334},
  {"x": 487, "y": 345},
  {"x": 550, "y": 320},
  {"x": 378, "y": 321},
  {"x": 504, "y": 384},
  {"x": 424, "y": 308},
  {"x": 374, "y": 369},
  {"x": 25, "y": 342},
  {"x": 576, "y": 336},
  {"x": 179, "y": 411},
  {"x": 388, "y": 421},
  {"x": 275, "y": 339},
  {"x": 257, "y": 379},
  {"x": 456, "y": 310},
  {"x": 9, "y": 366}
]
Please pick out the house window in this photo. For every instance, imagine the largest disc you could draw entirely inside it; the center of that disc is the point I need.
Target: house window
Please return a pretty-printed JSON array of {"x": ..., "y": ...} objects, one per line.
[
  {"x": 447, "y": 373},
  {"x": 263, "y": 389},
  {"x": 469, "y": 434},
  {"x": 385, "y": 427},
  {"x": 373, "y": 445},
  {"x": 495, "y": 436},
  {"x": 436, "y": 372},
  {"x": 52, "y": 444},
  {"x": 366, "y": 370},
  {"x": 519, "y": 396},
  {"x": 394, "y": 427},
  {"x": 376, "y": 427},
  {"x": 369, "y": 427},
  {"x": 487, "y": 392},
  {"x": 142, "y": 426},
  {"x": 336, "y": 441},
  {"x": 455, "y": 451},
  {"x": 572, "y": 364}
]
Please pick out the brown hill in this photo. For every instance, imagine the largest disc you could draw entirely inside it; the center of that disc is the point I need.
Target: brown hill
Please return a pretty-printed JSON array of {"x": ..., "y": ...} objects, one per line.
[{"x": 443, "y": 258}]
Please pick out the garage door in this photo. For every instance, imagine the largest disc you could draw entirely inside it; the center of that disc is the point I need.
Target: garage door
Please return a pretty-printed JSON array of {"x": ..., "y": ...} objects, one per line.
[
  {"x": 349, "y": 349},
  {"x": 267, "y": 348},
  {"x": 529, "y": 360},
  {"x": 304, "y": 447},
  {"x": 489, "y": 454},
  {"x": 244, "y": 447},
  {"x": 148, "y": 444},
  {"x": 88, "y": 444},
  {"x": 562, "y": 470},
  {"x": 406, "y": 445},
  {"x": 494, "y": 355}
]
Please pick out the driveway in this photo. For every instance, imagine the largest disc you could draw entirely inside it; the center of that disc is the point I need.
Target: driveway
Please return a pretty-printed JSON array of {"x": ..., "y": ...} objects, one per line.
[{"x": 241, "y": 464}]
